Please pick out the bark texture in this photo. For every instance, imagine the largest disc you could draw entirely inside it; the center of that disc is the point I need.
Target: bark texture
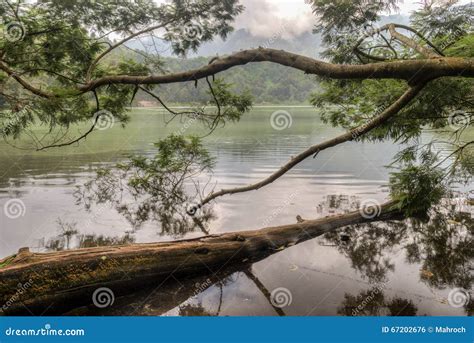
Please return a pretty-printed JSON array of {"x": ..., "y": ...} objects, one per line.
[{"x": 413, "y": 71}]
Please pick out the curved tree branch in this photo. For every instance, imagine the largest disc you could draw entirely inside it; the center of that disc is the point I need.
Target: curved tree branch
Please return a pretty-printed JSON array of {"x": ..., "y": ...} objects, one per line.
[
  {"x": 411, "y": 43},
  {"x": 370, "y": 57},
  {"x": 407, "y": 70},
  {"x": 418, "y": 33},
  {"x": 414, "y": 71},
  {"x": 162, "y": 103},
  {"x": 76, "y": 140},
  {"x": 315, "y": 149},
  {"x": 403, "y": 39},
  {"x": 23, "y": 82}
]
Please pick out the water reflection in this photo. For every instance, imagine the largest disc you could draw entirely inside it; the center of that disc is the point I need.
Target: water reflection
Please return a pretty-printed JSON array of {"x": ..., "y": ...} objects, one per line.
[
  {"x": 69, "y": 237},
  {"x": 442, "y": 248},
  {"x": 373, "y": 302},
  {"x": 319, "y": 272},
  {"x": 189, "y": 310},
  {"x": 245, "y": 152},
  {"x": 445, "y": 248}
]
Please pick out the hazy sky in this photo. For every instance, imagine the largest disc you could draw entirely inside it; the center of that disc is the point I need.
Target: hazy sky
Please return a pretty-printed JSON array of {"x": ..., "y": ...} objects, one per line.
[
  {"x": 289, "y": 17},
  {"x": 267, "y": 17}
]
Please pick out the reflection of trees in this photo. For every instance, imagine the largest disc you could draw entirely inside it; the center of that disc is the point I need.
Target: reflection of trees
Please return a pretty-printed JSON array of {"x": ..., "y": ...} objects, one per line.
[
  {"x": 373, "y": 302},
  {"x": 188, "y": 309},
  {"x": 58, "y": 243},
  {"x": 69, "y": 234},
  {"x": 264, "y": 290},
  {"x": 366, "y": 246},
  {"x": 164, "y": 188},
  {"x": 181, "y": 294},
  {"x": 443, "y": 247},
  {"x": 193, "y": 310}
]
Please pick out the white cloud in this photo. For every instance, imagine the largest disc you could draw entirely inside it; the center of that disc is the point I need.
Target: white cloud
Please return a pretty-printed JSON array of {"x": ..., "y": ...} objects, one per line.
[
  {"x": 288, "y": 18},
  {"x": 408, "y": 6},
  {"x": 267, "y": 18}
]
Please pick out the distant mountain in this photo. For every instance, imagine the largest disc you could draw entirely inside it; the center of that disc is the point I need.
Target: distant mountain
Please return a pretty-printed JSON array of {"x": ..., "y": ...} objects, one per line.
[
  {"x": 269, "y": 83},
  {"x": 307, "y": 43}
]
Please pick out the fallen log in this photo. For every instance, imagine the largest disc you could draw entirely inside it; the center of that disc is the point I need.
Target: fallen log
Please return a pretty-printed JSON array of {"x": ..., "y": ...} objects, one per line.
[{"x": 61, "y": 281}]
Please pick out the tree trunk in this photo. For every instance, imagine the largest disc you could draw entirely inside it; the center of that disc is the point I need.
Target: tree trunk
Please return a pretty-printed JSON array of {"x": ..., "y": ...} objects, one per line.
[{"x": 60, "y": 281}]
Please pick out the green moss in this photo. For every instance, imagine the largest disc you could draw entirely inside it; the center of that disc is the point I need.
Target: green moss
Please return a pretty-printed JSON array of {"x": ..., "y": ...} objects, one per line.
[
  {"x": 7, "y": 261},
  {"x": 45, "y": 281}
]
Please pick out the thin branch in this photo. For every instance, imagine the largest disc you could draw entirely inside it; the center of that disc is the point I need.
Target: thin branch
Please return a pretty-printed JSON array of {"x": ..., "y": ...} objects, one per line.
[
  {"x": 418, "y": 33},
  {"x": 163, "y": 104},
  {"x": 83, "y": 136},
  {"x": 389, "y": 45},
  {"x": 114, "y": 46},
  {"x": 219, "y": 115},
  {"x": 368, "y": 56},
  {"x": 410, "y": 43},
  {"x": 48, "y": 72},
  {"x": 403, "y": 39},
  {"x": 348, "y": 136},
  {"x": 76, "y": 140},
  {"x": 460, "y": 149}
]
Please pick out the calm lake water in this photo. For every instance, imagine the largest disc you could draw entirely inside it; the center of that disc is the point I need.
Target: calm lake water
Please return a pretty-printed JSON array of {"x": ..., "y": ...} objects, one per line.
[{"x": 398, "y": 269}]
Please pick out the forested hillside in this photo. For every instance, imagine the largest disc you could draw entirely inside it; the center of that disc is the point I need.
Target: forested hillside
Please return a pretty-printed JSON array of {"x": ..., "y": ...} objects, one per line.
[{"x": 268, "y": 83}]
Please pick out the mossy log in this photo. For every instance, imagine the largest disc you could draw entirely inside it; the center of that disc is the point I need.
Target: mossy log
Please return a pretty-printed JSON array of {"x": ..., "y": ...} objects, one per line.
[{"x": 60, "y": 281}]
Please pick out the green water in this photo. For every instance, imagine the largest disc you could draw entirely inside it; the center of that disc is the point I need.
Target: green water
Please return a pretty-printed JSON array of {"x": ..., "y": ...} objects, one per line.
[{"x": 320, "y": 274}]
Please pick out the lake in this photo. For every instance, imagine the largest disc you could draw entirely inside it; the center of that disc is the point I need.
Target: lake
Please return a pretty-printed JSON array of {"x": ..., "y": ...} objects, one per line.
[{"x": 396, "y": 268}]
